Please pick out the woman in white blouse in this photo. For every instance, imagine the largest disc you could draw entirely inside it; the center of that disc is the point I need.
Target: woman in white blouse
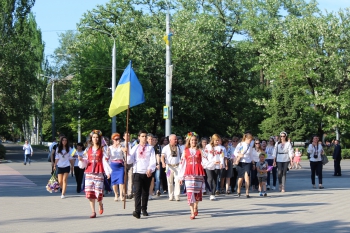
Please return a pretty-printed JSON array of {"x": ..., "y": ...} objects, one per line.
[
  {"x": 244, "y": 160},
  {"x": 283, "y": 156},
  {"x": 213, "y": 162},
  {"x": 64, "y": 163},
  {"x": 116, "y": 161},
  {"x": 316, "y": 151}
]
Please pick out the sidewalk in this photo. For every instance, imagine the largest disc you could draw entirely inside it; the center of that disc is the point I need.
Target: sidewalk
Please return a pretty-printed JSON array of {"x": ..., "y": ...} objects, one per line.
[{"x": 26, "y": 206}]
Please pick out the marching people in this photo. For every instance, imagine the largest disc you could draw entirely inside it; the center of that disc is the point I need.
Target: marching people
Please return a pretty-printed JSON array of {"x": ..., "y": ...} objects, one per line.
[
  {"x": 244, "y": 162},
  {"x": 203, "y": 143},
  {"x": 226, "y": 173},
  {"x": 164, "y": 181},
  {"x": 234, "y": 177},
  {"x": 283, "y": 157},
  {"x": 143, "y": 158},
  {"x": 95, "y": 161},
  {"x": 270, "y": 158},
  {"x": 254, "y": 173},
  {"x": 129, "y": 167},
  {"x": 213, "y": 162},
  {"x": 171, "y": 155},
  {"x": 64, "y": 163},
  {"x": 337, "y": 158},
  {"x": 116, "y": 161},
  {"x": 28, "y": 152},
  {"x": 192, "y": 172},
  {"x": 78, "y": 172},
  {"x": 150, "y": 141},
  {"x": 158, "y": 152},
  {"x": 315, "y": 150},
  {"x": 261, "y": 167}
]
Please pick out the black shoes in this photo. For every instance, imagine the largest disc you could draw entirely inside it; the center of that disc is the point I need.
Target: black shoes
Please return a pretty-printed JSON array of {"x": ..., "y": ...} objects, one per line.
[
  {"x": 144, "y": 213},
  {"x": 136, "y": 215}
]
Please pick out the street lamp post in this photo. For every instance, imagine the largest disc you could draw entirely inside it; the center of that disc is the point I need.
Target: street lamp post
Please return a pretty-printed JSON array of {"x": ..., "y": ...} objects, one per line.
[
  {"x": 52, "y": 105},
  {"x": 114, "y": 71}
]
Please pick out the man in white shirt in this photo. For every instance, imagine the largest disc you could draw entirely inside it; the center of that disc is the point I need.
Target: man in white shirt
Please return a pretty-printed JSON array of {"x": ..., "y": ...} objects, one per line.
[
  {"x": 171, "y": 155},
  {"x": 143, "y": 158},
  {"x": 28, "y": 152}
]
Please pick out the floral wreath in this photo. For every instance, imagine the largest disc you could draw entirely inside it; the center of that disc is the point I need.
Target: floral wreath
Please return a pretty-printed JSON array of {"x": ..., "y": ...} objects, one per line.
[
  {"x": 190, "y": 134},
  {"x": 96, "y": 131}
]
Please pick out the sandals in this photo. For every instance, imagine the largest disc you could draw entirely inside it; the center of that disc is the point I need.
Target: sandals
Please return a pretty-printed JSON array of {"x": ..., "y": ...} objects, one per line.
[
  {"x": 101, "y": 209},
  {"x": 192, "y": 217},
  {"x": 283, "y": 190},
  {"x": 195, "y": 211},
  {"x": 93, "y": 215}
]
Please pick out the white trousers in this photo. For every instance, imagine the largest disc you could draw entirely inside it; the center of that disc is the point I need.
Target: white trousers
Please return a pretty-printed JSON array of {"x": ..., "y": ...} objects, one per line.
[{"x": 173, "y": 177}]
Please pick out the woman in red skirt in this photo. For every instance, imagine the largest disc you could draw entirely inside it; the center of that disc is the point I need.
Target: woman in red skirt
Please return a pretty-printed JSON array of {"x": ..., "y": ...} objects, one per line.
[{"x": 192, "y": 172}]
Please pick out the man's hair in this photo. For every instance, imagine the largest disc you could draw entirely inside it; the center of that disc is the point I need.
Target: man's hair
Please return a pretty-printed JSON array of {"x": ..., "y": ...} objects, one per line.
[{"x": 141, "y": 132}]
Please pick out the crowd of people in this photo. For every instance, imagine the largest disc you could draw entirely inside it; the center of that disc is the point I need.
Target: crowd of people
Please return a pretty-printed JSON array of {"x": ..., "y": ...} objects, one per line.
[{"x": 144, "y": 168}]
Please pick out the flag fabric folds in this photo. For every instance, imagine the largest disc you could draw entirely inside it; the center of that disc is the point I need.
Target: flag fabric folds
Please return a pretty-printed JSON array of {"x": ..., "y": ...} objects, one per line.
[{"x": 129, "y": 92}]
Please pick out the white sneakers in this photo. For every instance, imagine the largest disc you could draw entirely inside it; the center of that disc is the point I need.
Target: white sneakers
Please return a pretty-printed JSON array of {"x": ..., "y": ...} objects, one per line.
[
  {"x": 177, "y": 198},
  {"x": 273, "y": 188},
  {"x": 212, "y": 197},
  {"x": 63, "y": 197},
  {"x": 150, "y": 197}
]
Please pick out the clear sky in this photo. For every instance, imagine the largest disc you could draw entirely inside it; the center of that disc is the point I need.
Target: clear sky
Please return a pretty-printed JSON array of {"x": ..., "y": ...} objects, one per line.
[{"x": 56, "y": 16}]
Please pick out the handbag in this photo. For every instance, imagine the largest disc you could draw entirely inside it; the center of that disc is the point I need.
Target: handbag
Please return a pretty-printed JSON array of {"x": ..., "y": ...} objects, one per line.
[{"x": 324, "y": 159}]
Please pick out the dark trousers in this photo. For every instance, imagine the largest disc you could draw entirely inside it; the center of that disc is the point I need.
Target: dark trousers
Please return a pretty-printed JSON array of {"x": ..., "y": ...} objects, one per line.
[
  {"x": 254, "y": 178},
  {"x": 316, "y": 167},
  {"x": 337, "y": 168},
  {"x": 163, "y": 178},
  {"x": 233, "y": 180},
  {"x": 79, "y": 175},
  {"x": 274, "y": 173},
  {"x": 141, "y": 185},
  {"x": 282, "y": 172},
  {"x": 212, "y": 179}
]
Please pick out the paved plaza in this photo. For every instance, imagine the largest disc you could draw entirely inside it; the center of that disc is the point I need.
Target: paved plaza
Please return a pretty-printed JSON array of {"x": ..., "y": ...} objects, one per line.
[{"x": 26, "y": 206}]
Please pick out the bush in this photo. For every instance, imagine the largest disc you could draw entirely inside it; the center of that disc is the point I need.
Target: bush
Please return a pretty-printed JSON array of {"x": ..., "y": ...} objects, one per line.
[
  {"x": 2, "y": 151},
  {"x": 345, "y": 153}
]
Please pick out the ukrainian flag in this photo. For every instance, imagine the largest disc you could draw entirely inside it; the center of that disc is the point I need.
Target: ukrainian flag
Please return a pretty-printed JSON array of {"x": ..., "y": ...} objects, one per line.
[{"x": 128, "y": 93}]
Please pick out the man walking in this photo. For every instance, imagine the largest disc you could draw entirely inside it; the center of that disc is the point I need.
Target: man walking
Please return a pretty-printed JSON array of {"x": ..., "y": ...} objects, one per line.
[
  {"x": 143, "y": 158},
  {"x": 337, "y": 158},
  {"x": 28, "y": 152},
  {"x": 171, "y": 155}
]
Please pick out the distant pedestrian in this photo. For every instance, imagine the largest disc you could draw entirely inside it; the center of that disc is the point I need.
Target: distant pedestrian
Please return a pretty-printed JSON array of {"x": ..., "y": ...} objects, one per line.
[
  {"x": 28, "y": 152},
  {"x": 270, "y": 159},
  {"x": 296, "y": 159},
  {"x": 337, "y": 158}
]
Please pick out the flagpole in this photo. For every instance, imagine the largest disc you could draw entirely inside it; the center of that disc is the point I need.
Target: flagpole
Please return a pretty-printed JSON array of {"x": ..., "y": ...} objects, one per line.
[{"x": 127, "y": 152}]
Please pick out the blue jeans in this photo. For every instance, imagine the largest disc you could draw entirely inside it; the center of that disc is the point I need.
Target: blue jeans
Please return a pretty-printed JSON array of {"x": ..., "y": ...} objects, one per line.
[
  {"x": 26, "y": 158},
  {"x": 157, "y": 180}
]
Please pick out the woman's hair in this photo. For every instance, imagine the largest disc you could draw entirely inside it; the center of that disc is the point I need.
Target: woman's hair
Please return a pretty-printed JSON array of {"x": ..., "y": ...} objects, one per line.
[
  {"x": 286, "y": 137},
  {"x": 161, "y": 141},
  {"x": 213, "y": 138},
  {"x": 60, "y": 145},
  {"x": 247, "y": 136},
  {"x": 115, "y": 135},
  {"x": 98, "y": 142},
  {"x": 188, "y": 142},
  {"x": 202, "y": 139},
  {"x": 81, "y": 144},
  {"x": 224, "y": 141}
]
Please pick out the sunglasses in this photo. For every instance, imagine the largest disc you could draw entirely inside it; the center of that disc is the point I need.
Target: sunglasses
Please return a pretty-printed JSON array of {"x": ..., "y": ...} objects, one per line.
[
  {"x": 283, "y": 136},
  {"x": 116, "y": 139},
  {"x": 257, "y": 143}
]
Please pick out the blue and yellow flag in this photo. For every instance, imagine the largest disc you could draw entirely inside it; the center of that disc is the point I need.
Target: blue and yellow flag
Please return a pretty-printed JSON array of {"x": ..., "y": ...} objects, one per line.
[{"x": 129, "y": 92}]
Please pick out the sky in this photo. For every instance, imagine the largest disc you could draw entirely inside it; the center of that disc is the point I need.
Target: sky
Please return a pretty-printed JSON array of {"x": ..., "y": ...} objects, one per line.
[{"x": 57, "y": 16}]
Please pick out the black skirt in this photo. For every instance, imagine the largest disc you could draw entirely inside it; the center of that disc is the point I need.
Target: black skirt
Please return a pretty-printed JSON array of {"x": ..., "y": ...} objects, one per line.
[
  {"x": 62, "y": 170},
  {"x": 242, "y": 168}
]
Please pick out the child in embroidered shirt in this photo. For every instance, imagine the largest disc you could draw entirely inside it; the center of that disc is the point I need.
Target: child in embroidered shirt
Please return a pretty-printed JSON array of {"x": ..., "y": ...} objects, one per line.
[{"x": 261, "y": 167}]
